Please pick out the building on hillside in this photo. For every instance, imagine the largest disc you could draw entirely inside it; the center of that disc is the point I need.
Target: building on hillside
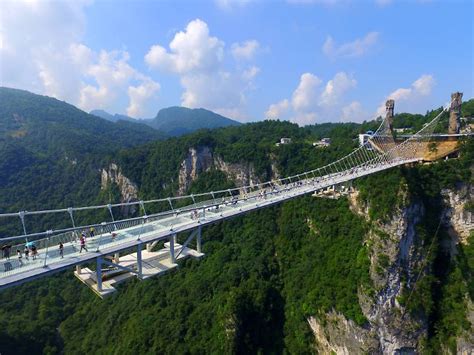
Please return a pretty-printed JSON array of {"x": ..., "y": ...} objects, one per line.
[
  {"x": 323, "y": 143},
  {"x": 284, "y": 141}
]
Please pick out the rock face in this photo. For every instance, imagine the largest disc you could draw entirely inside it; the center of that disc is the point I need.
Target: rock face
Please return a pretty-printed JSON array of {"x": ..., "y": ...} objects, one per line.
[
  {"x": 457, "y": 216},
  {"x": 128, "y": 189},
  {"x": 395, "y": 253},
  {"x": 202, "y": 159},
  {"x": 341, "y": 336}
]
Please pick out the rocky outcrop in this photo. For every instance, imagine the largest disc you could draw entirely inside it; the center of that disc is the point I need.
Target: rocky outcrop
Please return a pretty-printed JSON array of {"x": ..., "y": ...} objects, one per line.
[
  {"x": 457, "y": 216},
  {"x": 196, "y": 161},
  {"x": 336, "y": 334},
  {"x": 202, "y": 159},
  {"x": 128, "y": 189},
  {"x": 396, "y": 251}
]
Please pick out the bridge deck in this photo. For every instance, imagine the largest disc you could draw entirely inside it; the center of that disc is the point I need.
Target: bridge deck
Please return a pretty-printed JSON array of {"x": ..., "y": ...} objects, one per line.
[{"x": 14, "y": 271}]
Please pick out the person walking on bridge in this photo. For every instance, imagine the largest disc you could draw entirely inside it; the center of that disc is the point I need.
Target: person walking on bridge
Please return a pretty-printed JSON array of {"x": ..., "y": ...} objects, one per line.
[
  {"x": 83, "y": 244},
  {"x": 61, "y": 250},
  {"x": 6, "y": 252}
]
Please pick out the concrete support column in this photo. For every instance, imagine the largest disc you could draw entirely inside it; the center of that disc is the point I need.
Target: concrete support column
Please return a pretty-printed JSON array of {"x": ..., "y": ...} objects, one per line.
[
  {"x": 148, "y": 247},
  {"x": 139, "y": 260},
  {"x": 99, "y": 273},
  {"x": 116, "y": 258},
  {"x": 198, "y": 240},
  {"x": 172, "y": 258},
  {"x": 78, "y": 269}
]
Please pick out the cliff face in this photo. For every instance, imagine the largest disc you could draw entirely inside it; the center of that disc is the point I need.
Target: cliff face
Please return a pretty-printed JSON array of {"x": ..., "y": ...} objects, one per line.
[
  {"x": 203, "y": 159},
  {"x": 128, "y": 189},
  {"x": 396, "y": 251},
  {"x": 459, "y": 219}
]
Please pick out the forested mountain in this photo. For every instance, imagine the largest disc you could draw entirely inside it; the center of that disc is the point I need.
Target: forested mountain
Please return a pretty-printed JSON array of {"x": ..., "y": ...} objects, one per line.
[
  {"x": 175, "y": 121},
  {"x": 51, "y": 152},
  {"x": 310, "y": 275},
  {"x": 112, "y": 118}
]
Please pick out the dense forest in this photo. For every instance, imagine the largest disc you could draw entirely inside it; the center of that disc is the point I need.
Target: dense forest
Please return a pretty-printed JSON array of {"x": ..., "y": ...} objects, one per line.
[{"x": 263, "y": 274}]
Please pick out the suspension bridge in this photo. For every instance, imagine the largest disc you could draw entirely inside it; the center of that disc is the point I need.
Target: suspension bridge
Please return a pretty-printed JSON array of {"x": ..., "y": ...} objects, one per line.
[{"x": 147, "y": 245}]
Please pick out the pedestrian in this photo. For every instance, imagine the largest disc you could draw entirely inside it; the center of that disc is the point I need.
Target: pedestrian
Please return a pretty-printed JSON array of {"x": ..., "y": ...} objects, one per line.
[
  {"x": 6, "y": 252},
  {"x": 27, "y": 253},
  {"x": 34, "y": 251},
  {"x": 83, "y": 244},
  {"x": 92, "y": 232},
  {"x": 61, "y": 250},
  {"x": 3, "y": 251},
  {"x": 18, "y": 252}
]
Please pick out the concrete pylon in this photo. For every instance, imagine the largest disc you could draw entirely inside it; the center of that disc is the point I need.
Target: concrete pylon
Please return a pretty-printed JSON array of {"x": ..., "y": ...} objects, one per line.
[
  {"x": 389, "y": 109},
  {"x": 455, "y": 113}
]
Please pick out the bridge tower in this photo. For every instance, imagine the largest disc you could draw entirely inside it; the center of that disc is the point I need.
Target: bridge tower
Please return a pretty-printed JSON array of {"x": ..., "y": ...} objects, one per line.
[
  {"x": 389, "y": 109},
  {"x": 455, "y": 113}
]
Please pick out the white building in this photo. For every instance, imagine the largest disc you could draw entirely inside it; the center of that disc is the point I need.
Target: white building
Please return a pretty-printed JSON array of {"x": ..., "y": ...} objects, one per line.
[
  {"x": 284, "y": 141},
  {"x": 323, "y": 143}
]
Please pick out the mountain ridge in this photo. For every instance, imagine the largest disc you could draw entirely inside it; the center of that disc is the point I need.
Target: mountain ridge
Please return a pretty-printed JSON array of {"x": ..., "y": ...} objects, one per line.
[{"x": 175, "y": 120}]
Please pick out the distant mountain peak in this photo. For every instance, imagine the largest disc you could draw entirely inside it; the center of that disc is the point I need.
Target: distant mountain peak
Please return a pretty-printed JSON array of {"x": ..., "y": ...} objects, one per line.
[{"x": 177, "y": 120}]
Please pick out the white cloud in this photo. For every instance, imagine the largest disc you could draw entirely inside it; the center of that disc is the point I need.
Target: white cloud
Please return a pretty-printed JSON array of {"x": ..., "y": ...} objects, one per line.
[
  {"x": 310, "y": 101},
  {"x": 139, "y": 96},
  {"x": 250, "y": 73},
  {"x": 278, "y": 110},
  {"x": 198, "y": 59},
  {"x": 192, "y": 50},
  {"x": 246, "y": 50},
  {"x": 356, "y": 48},
  {"x": 419, "y": 88},
  {"x": 353, "y": 112},
  {"x": 42, "y": 52},
  {"x": 336, "y": 87},
  {"x": 305, "y": 95}
]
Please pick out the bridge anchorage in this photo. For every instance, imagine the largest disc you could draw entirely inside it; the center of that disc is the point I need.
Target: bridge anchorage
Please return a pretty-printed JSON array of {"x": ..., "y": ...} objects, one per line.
[{"x": 148, "y": 245}]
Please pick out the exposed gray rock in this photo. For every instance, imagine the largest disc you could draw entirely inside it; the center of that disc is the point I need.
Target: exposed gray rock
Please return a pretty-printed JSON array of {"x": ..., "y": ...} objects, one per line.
[
  {"x": 128, "y": 189},
  {"x": 203, "y": 159}
]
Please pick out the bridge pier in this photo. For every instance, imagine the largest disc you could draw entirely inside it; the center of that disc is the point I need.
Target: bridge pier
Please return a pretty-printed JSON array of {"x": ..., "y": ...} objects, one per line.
[
  {"x": 99, "y": 274},
  {"x": 171, "y": 241}
]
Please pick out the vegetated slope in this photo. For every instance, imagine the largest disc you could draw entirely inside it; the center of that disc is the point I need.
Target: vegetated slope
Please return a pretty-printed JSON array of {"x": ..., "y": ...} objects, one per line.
[
  {"x": 51, "y": 152},
  {"x": 177, "y": 121}
]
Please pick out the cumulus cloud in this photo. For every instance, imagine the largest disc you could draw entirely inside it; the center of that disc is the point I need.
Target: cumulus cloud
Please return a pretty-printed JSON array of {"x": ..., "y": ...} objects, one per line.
[
  {"x": 419, "y": 88},
  {"x": 356, "y": 48},
  {"x": 312, "y": 101},
  {"x": 353, "y": 112},
  {"x": 42, "y": 52},
  {"x": 336, "y": 87},
  {"x": 246, "y": 50},
  {"x": 198, "y": 59},
  {"x": 305, "y": 95},
  {"x": 191, "y": 50},
  {"x": 278, "y": 110},
  {"x": 139, "y": 96}
]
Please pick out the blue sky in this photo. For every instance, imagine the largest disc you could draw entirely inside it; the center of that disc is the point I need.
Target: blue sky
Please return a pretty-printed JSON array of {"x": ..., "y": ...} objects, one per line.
[{"x": 306, "y": 61}]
